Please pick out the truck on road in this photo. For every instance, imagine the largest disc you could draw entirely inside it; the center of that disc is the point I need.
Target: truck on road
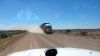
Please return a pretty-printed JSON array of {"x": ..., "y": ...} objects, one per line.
[{"x": 47, "y": 28}]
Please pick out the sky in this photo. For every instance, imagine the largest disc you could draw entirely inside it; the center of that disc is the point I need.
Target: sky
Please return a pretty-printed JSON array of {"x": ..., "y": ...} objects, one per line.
[{"x": 62, "y": 14}]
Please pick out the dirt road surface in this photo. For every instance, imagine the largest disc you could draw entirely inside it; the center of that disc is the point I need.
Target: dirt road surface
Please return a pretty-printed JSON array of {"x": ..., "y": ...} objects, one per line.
[{"x": 33, "y": 41}]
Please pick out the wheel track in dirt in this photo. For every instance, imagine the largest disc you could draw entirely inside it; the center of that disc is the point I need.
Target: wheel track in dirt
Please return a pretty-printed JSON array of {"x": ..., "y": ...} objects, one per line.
[{"x": 34, "y": 41}]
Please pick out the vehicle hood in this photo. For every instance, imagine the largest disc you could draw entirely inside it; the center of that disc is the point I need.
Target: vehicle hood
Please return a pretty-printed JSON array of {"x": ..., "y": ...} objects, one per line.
[{"x": 61, "y": 52}]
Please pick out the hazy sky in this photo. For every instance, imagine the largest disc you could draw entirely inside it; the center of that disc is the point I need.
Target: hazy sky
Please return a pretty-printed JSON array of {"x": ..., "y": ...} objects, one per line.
[{"x": 60, "y": 13}]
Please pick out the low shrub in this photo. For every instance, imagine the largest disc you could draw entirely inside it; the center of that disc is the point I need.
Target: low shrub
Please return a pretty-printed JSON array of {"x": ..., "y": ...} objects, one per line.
[
  {"x": 67, "y": 31},
  {"x": 3, "y": 36},
  {"x": 83, "y": 33}
]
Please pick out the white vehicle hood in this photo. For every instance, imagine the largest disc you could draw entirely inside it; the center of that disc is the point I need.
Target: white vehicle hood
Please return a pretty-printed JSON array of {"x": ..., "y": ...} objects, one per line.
[{"x": 61, "y": 52}]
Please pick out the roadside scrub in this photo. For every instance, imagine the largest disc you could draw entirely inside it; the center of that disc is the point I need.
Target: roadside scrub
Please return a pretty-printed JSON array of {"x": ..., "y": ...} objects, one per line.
[{"x": 9, "y": 38}]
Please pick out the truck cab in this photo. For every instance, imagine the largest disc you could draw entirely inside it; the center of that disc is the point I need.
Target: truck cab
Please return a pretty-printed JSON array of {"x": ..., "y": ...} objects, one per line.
[{"x": 47, "y": 28}]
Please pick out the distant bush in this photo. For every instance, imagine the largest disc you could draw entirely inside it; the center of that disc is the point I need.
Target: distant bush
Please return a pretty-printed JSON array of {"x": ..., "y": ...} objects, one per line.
[
  {"x": 2, "y": 35},
  {"x": 5, "y": 34},
  {"x": 9, "y": 35},
  {"x": 83, "y": 33},
  {"x": 94, "y": 37},
  {"x": 67, "y": 31}
]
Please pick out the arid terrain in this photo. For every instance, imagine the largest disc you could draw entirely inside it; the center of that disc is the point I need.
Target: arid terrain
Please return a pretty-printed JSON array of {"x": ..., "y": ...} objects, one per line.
[
  {"x": 56, "y": 40},
  {"x": 29, "y": 40}
]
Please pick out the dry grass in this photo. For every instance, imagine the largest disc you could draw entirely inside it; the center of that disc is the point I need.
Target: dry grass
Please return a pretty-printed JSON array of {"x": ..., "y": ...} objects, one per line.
[
  {"x": 4, "y": 43},
  {"x": 94, "y": 34}
]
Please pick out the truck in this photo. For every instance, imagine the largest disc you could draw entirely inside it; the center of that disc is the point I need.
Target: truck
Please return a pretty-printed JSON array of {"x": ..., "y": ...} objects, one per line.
[{"x": 47, "y": 28}]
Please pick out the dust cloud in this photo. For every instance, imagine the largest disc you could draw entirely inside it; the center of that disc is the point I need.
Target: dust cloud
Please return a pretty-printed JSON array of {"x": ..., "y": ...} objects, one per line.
[
  {"x": 32, "y": 29},
  {"x": 35, "y": 29}
]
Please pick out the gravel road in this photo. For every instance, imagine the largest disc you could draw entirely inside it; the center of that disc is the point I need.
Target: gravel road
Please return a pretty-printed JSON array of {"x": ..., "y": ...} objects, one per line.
[{"x": 33, "y": 41}]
